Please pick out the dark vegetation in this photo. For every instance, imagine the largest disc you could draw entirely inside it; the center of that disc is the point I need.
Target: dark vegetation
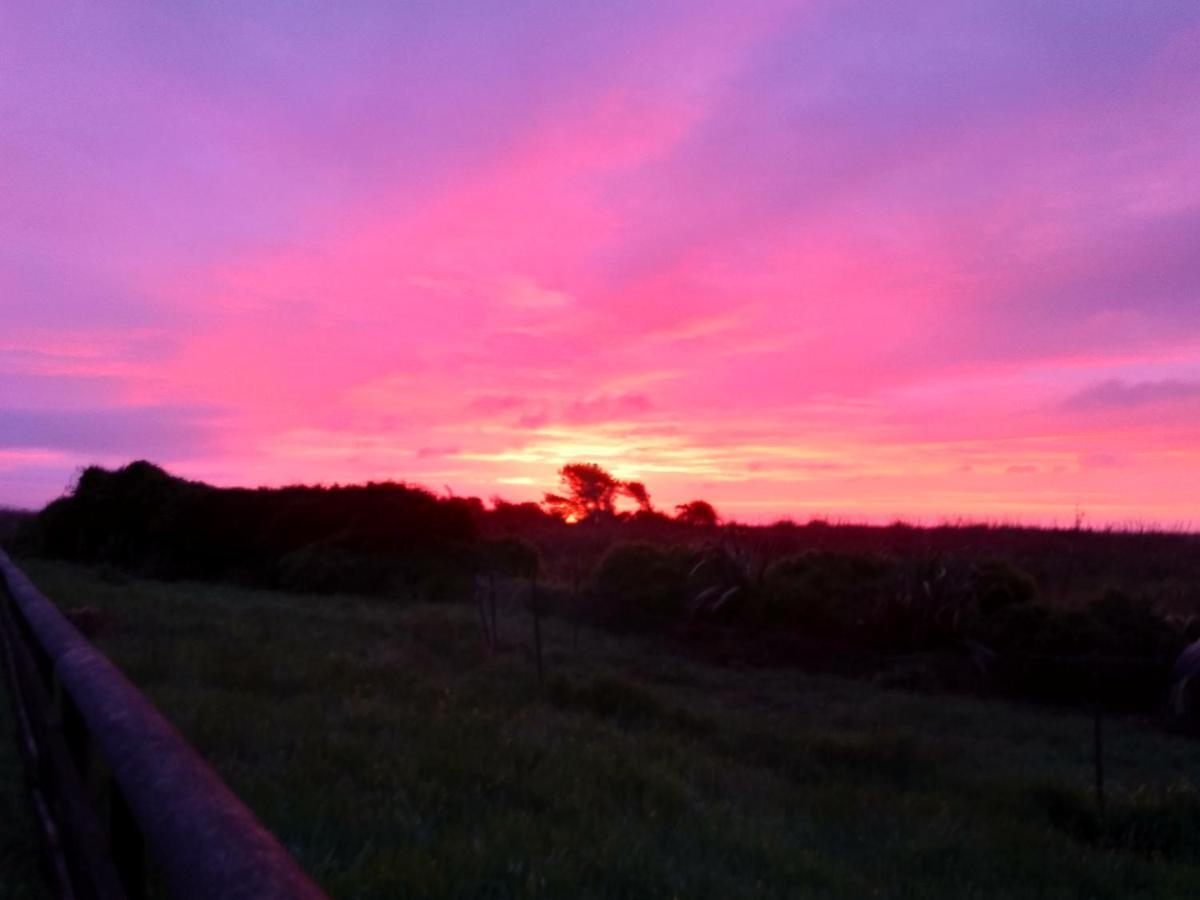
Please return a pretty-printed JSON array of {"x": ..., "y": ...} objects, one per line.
[
  {"x": 1067, "y": 616},
  {"x": 439, "y": 697},
  {"x": 397, "y": 756},
  {"x": 370, "y": 538},
  {"x": 11, "y": 522}
]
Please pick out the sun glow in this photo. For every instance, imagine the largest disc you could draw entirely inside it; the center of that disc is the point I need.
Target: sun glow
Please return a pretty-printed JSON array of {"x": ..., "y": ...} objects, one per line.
[{"x": 770, "y": 275}]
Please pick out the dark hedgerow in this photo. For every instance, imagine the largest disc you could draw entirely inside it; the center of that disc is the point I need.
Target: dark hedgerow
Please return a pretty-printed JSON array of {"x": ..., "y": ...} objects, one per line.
[
  {"x": 1059, "y": 615},
  {"x": 370, "y": 537}
]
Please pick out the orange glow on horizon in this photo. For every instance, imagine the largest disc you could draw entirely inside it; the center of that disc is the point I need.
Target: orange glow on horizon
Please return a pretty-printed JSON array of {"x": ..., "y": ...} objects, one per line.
[{"x": 748, "y": 253}]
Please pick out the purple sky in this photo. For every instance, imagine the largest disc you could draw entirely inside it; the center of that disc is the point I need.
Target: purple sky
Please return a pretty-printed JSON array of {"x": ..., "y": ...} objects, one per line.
[{"x": 929, "y": 259}]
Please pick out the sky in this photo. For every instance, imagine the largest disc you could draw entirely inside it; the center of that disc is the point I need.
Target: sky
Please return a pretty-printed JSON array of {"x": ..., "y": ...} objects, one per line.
[{"x": 928, "y": 260}]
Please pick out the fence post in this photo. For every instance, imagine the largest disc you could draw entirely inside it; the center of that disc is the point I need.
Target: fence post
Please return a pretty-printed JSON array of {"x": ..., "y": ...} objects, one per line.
[
  {"x": 537, "y": 626},
  {"x": 492, "y": 610}
]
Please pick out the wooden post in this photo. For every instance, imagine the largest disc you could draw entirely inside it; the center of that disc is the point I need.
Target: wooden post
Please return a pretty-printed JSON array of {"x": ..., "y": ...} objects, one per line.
[
  {"x": 1098, "y": 753},
  {"x": 492, "y": 605},
  {"x": 481, "y": 606},
  {"x": 537, "y": 626}
]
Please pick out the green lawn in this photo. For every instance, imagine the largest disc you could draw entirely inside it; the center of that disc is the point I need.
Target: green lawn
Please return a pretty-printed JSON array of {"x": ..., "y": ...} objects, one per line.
[{"x": 396, "y": 758}]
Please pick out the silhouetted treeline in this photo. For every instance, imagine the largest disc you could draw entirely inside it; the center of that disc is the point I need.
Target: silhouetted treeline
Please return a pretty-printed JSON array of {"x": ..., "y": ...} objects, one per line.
[
  {"x": 926, "y": 620},
  {"x": 1070, "y": 565},
  {"x": 12, "y": 521},
  {"x": 371, "y": 537},
  {"x": 1067, "y": 614}
]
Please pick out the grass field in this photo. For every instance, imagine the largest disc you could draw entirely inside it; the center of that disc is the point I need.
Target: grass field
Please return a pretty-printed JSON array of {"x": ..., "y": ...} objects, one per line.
[{"x": 397, "y": 758}]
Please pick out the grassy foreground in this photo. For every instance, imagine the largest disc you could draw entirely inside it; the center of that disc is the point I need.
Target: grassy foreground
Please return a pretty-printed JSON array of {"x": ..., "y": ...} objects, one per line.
[{"x": 396, "y": 758}]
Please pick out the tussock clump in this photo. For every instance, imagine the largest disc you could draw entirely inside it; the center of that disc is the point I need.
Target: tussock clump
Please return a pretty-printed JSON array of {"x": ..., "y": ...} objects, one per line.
[
  {"x": 613, "y": 697},
  {"x": 1155, "y": 823},
  {"x": 891, "y": 756}
]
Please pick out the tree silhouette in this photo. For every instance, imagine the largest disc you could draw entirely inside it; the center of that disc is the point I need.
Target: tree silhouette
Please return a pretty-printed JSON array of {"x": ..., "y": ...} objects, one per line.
[
  {"x": 588, "y": 491},
  {"x": 636, "y": 491},
  {"x": 697, "y": 512}
]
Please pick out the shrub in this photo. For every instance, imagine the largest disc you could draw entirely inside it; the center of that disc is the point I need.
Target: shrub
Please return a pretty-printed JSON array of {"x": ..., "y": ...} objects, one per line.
[
  {"x": 1116, "y": 651},
  {"x": 610, "y": 696},
  {"x": 824, "y": 592},
  {"x": 1112, "y": 625},
  {"x": 639, "y": 584},
  {"x": 1131, "y": 624},
  {"x": 998, "y": 584}
]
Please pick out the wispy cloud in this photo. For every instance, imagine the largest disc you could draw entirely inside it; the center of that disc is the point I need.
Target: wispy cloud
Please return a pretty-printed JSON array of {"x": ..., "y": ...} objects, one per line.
[
  {"x": 1116, "y": 394},
  {"x": 622, "y": 407},
  {"x": 791, "y": 256},
  {"x": 104, "y": 431}
]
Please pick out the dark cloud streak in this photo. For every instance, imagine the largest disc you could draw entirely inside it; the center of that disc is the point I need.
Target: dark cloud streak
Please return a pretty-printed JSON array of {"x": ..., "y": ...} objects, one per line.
[
  {"x": 165, "y": 431},
  {"x": 1116, "y": 394}
]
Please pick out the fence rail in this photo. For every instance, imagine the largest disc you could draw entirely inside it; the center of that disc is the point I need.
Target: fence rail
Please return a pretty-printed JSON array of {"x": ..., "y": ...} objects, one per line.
[{"x": 116, "y": 785}]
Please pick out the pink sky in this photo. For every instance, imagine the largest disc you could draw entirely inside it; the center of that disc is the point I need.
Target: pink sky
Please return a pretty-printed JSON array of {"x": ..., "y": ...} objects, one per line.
[{"x": 871, "y": 260}]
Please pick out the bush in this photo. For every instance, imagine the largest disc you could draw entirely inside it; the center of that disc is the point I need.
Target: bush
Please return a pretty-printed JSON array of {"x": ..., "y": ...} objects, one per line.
[
  {"x": 640, "y": 584},
  {"x": 1117, "y": 651},
  {"x": 997, "y": 585},
  {"x": 824, "y": 593},
  {"x": 1112, "y": 625},
  {"x": 1132, "y": 625}
]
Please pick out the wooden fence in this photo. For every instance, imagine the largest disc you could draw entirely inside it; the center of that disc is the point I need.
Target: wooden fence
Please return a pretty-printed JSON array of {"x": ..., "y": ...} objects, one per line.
[{"x": 117, "y": 789}]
